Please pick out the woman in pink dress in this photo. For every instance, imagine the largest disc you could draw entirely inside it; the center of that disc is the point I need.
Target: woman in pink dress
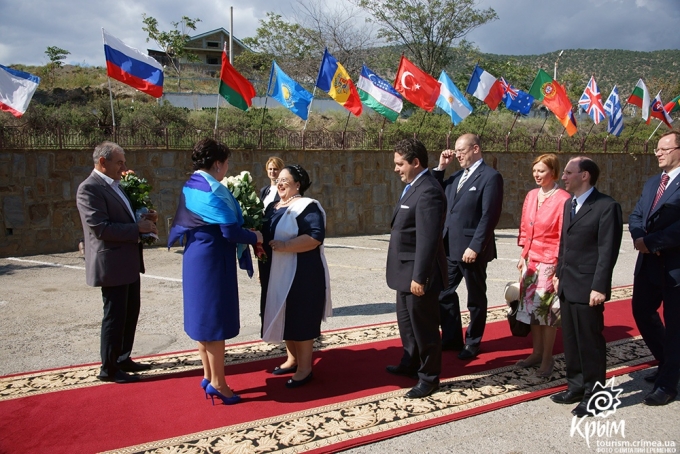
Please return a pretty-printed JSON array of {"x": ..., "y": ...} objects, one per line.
[{"x": 539, "y": 238}]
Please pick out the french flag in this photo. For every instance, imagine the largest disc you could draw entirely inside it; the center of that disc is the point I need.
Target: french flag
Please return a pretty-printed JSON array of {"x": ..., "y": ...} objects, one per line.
[
  {"x": 486, "y": 88},
  {"x": 16, "y": 90},
  {"x": 128, "y": 65}
]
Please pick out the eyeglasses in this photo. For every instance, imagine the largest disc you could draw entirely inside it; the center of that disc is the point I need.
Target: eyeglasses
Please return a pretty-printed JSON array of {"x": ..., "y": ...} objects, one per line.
[
  {"x": 665, "y": 150},
  {"x": 571, "y": 173},
  {"x": 459, "y": 152},
  {"x": 282, "y": 181}
]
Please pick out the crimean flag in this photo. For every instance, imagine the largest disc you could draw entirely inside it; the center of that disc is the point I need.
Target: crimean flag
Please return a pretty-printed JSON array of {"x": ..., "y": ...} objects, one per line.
[
  {"x": 334, "y": 80},
  {"x": 233, "y": 86},
  {"x": 673, "y": 106},
  {"x": 569, "y": 123},
  {"x": 377, "y": 94},
  {"x": 288, "y": 92},
  {"x": 485, "y": 87},
  {"x": 16, "y": 90},
  {"x": 640, "y": 98},
  {"x": 657, "y": 111},
  {"x": 128, "y": 65},
  {"x": 416, "y": 85},
  {"x": 551, "y": 94}
]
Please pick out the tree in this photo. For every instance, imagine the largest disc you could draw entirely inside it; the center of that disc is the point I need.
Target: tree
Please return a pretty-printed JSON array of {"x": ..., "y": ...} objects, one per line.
[
  {"x": 173, "y": 43},
  {"x": 427, "y": 29},
  {"x": 56, "y": 55}
]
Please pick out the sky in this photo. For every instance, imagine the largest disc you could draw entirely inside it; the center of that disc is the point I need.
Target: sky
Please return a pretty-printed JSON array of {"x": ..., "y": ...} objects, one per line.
[{"x": 524, "y": 27}]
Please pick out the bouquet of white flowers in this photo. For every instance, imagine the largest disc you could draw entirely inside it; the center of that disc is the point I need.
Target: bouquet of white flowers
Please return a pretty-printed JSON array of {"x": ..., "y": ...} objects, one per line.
[
  {"x": 244, "y": 191},
  {"x": 137, "y": 190}
]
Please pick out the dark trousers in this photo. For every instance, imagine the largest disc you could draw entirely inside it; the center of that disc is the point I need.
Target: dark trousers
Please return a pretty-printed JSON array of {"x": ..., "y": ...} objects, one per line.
[
  {"x": 585, "y": 349},
  {"x": 121, "y": 311},
  {"x": 418, "y": 321},
  {"x": 449, "y": 304},
  {"x": 662, "y": 338}
]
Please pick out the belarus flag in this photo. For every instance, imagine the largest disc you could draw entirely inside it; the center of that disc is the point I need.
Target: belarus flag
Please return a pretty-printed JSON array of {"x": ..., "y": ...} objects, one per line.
[
  {"x": 485, "y": 87},
  {"x": 128, "y": 65},
  {"x": 16, "y": 90}
]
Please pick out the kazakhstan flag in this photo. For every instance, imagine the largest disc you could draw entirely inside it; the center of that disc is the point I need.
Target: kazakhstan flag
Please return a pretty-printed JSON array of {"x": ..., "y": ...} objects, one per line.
[{"x": 288, "y": 93}]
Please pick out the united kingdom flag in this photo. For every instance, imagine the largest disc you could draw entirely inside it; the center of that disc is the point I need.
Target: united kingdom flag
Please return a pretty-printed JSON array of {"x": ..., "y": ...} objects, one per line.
[
  {"x": 509, "y": 89},
  {"x": 591, "y": 101}
]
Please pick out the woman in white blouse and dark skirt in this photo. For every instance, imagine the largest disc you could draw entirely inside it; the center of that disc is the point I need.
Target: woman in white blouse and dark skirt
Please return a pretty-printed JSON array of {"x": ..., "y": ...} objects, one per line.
[{"x": 269, "y": 194}]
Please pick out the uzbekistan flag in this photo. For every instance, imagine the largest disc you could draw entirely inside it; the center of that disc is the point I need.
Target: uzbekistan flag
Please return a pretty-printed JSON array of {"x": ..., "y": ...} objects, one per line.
[
  {"x": 451, "y": 100},
  {"x": 16, "y": 90},
  {"x": 640, "y": 98},
  {"x": 377, "y": 94},
  {"x": 657, "y": 111},
  {"x": 206, "y": 201},
  {"x": 128, "y": 65},
  {"x": 485, "y": 87},
  {"x": 235, "y": 88},
  {"x": 334, "y": 80}
]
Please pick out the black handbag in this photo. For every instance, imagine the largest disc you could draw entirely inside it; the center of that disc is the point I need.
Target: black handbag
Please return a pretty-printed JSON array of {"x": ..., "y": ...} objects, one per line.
[{"x": 517, "y": 328}]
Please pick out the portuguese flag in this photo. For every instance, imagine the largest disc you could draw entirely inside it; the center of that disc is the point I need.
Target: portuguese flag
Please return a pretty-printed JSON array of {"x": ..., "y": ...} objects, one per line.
[
  {"x": 640, "y": 98},
  {"x": 673, "y": 106},
  {"x": 233, "y": 86},
  {"x": 551, "y": 94}
]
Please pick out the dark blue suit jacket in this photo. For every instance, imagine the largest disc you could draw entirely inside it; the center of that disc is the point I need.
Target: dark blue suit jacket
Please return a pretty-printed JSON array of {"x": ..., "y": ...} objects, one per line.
[
  {"x": 473, "y": 213},
  {"x": 660, "y": 231}
]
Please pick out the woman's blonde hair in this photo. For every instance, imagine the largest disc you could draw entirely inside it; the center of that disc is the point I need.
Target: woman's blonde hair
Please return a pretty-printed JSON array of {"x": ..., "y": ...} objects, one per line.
[
  {"x": 278, "y": 162},
  {"x": 551, "y": 161}
]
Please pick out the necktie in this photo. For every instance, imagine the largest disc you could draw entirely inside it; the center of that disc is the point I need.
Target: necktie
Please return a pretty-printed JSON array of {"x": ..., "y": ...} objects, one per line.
[
  {"x": 574, "y": 204},
  {"x": 408, "y": 186},
  {"x": 463, "y": 179},
  {"x": 659, "y": 192}
]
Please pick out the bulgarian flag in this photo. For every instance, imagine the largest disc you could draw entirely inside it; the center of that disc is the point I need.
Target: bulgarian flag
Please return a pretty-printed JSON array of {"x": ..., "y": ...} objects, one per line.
[
  {"x": 233, "y": 86},
  {"x": 673, "y": 106},
  {"x": 640, "y": 98}
]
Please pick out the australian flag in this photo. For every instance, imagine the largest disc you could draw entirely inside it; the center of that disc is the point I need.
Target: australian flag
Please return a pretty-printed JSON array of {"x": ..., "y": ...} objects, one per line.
[
  {"x": 613, "y": 109},
  {"x": 591, "y": 101},
  {"x": 516, "y": 100}
]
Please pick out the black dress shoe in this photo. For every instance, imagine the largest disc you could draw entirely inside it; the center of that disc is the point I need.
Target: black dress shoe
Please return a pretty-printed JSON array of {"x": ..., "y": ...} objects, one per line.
[
  {"x": 469, "y": 352},
  {"x": 581, "y": 410},
  {"x": 422, "y": 389},
  {"x": 452, "y": 346},
  {"x": 285, "y": 370},
  {"x": 130, "y": 366},
  {"x": 651, "y": 377},
  {"x": 400, "y": 370},
  {"x": 659, "y": 397},
  {"x": 119, "y": 377},
  {"x": 297, "y": 383},
  {"x": 567, "y": 397}
]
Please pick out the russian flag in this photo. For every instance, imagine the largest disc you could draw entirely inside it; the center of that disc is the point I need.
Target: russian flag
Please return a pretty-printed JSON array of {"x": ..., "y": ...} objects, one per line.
[
  {"x": 485, "y": 87},
  {"x": 16, "y": 90},
  {"x": 128, "y": 65}
]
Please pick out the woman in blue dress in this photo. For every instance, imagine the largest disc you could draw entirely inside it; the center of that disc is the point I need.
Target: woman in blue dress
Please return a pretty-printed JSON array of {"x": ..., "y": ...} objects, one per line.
[
  {"x": 295, "y": 282},
  {"x": 210, "y": 221}
]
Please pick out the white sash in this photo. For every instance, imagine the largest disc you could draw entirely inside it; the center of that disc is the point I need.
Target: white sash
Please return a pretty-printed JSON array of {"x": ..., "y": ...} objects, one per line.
[{"x": 283, "y": 267}]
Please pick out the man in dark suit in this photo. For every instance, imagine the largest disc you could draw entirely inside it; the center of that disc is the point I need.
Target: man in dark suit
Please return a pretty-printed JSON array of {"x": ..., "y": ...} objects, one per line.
[
  {"x": 416, "y": 267},
  {"x": 474, "y": 197},
  {"x": 589, "y": 247},
  {"x": 113, "y": 258},
  {"x": 655, "y": 228}
]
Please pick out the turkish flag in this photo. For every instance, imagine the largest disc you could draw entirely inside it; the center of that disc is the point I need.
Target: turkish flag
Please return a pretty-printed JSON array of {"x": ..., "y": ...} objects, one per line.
[{"x": 416, "y": 86}]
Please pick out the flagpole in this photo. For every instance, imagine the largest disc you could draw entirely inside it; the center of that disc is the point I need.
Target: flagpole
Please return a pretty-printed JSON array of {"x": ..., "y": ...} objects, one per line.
[
  {"x": 657, "y": 128},
  {"x": 485, "y": 120},
  {"x": 345, "y": 130},
  {"x": 266, "y": 98},
  {"x": 543, "y": 125},
  {"x": 113, "y": 116},
  {"x": 217, "y": 110},
  {"x": 309, "y": 109},
  {"x": 591, "y": 128},
  {"x": 513, "y": 125},
  {"x": 421, "y": 123}
]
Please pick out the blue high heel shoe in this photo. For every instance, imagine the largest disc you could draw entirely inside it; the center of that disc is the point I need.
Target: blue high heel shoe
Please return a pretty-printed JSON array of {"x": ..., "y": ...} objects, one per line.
[
  {"x": 212, "y": 392},
  {"x": 204, "y": 384}
]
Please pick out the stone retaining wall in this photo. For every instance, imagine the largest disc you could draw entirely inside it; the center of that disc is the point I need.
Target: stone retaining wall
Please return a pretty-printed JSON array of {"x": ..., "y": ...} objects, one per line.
[{"x": 358, "y": 189}]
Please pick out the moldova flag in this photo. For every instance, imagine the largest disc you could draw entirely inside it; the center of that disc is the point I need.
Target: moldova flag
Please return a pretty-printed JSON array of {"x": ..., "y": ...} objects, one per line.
[
  {"x": 128, "y": 65},
  {"x": 334, "y": 80}
]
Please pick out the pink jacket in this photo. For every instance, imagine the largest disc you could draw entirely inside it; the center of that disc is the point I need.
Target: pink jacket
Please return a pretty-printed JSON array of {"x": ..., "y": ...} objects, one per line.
[{"x": 539, "y": 230}]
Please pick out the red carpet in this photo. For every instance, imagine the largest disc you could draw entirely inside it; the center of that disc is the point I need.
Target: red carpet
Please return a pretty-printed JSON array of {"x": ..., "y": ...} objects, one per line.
[{"x": 69, "y": 411}]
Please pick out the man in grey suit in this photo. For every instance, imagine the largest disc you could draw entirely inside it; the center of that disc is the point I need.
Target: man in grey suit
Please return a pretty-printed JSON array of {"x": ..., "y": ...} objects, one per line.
[
  {"x": 589, "y": 247},
  {"x": 113, "y": 258},
  {"x": 416, "y": 267},
  {"x": 474, "y": 197}
]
